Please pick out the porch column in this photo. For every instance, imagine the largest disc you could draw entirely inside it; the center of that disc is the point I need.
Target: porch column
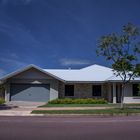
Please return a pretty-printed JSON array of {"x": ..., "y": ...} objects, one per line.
[
  {"x": 109, "y": 93},
  {"x": 7, "y": 92},
  {"x": 114, "y": 93}
]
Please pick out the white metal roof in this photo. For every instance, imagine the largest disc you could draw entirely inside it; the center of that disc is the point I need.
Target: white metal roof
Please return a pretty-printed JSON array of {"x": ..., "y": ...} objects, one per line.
[
  {"x": 118, "y": 78},
  {"x": 93, "y": 73}
]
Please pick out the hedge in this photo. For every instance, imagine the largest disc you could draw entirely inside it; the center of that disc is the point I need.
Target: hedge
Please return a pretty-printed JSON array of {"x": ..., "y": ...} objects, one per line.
[
  {"x": 2, "y": 101},
  {"x": 78, "y": 101}
]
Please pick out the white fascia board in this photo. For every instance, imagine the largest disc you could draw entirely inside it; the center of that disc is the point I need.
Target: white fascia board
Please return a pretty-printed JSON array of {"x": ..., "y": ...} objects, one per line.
[
  {"x": 85, "y": 82},
  {"x": 120, "y": 81}
]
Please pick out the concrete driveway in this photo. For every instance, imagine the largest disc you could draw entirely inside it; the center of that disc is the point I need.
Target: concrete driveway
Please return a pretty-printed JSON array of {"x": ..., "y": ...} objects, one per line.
[
  {"x": 19, "y": 108},
  {"x": 25, "y": 104}
]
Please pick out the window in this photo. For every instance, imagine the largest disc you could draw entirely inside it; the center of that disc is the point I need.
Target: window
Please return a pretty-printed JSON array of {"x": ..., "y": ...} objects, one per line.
[
  {"x": 96, "y": 90},
  {"x": 135, "y": 90},
  {"x": 69, "y": 90}
]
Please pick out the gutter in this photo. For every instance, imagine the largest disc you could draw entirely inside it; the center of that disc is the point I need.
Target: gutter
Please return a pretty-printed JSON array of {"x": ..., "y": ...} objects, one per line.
[{"x": 83, "y": 82}]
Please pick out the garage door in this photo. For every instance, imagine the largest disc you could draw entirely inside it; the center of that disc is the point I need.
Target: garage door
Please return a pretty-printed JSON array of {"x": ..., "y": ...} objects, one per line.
[{"x": 30, "y": 92}]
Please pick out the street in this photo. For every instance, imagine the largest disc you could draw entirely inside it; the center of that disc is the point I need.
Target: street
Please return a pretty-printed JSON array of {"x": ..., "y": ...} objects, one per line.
[{"x": 70, "y": 128}]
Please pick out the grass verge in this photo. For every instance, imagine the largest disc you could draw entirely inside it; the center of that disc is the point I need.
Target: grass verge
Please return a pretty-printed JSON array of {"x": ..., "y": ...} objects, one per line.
[
  {"x": 89, "y": 105},
  {"x": 100, "y": 111}
]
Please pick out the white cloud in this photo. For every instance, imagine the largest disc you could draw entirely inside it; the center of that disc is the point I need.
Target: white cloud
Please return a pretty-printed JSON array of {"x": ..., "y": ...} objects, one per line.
[
  {"x": 18, "y": 33},
  {"x": 16, "y": 1},
  {"x": 27, "y": 1},
  {"x": 13, "y": 55},
  {"x": 68, "y": 62},
  {"x": 9, "y": 63},
  {"x": 12, "y": 62}
]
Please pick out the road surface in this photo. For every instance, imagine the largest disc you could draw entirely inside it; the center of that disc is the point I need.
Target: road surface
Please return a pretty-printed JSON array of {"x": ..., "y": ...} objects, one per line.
[{"x": 69, "y": 128}]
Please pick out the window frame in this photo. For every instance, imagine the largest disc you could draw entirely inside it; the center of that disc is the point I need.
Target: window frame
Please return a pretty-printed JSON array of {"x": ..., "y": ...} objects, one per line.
[
  {"x": 133, "y": 92},
  {"x": 96, "y": 95},
  {"x": 67, "y": 94}
]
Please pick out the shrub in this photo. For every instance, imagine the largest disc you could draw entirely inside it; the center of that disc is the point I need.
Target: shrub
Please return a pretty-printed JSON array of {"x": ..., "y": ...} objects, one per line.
[
  {"x": 2, "y": 101},
  {"x": 78, "y": 101}
]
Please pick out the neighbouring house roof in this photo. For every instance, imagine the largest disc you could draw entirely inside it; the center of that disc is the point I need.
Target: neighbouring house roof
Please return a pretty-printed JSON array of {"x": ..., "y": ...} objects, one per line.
[{"x": 93, "y": 73}]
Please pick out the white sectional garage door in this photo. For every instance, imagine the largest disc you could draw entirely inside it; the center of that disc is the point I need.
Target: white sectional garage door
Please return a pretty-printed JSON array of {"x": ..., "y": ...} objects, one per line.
[{"x": 30, "y": 92}]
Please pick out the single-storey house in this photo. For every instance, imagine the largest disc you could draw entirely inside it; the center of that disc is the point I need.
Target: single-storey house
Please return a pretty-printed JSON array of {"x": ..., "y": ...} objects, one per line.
[{"x": 33, "y": 83}]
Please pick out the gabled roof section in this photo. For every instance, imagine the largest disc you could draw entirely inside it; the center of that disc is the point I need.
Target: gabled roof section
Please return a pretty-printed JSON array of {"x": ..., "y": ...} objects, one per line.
[
  {"x": 93, "y": 73},
  {"x": 95, "y": 66},
  {"x": 27, "y": 68}
]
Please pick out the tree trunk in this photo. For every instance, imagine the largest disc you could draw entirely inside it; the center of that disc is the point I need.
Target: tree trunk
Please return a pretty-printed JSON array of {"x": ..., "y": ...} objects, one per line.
[{"x": 122, "y": 96}]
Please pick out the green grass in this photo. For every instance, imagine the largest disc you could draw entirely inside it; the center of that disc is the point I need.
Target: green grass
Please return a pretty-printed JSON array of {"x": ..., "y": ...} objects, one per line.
[
  {"x": 76, "y": 105},
  {"x": 89, "y": 105},
  {"x": 138, "y": 105},
  {"x": 125, "y": 111}
]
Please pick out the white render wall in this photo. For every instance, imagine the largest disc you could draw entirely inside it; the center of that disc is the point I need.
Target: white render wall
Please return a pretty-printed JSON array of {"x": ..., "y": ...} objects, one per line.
[{"x": 129, "y": 98}]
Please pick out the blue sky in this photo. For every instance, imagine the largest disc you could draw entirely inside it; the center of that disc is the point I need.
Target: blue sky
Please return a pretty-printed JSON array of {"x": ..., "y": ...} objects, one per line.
[{"x": 59, "y": 33}]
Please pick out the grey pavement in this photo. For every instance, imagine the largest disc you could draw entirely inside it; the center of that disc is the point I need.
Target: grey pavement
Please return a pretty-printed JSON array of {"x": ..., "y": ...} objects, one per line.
[{"x": 70, "y": 128}]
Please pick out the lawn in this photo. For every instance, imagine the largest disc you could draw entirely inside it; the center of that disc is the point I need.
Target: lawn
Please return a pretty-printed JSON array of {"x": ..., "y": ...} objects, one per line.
[
  {"x": 89, "y": 105},
  {"x": 125, "y": 111}
]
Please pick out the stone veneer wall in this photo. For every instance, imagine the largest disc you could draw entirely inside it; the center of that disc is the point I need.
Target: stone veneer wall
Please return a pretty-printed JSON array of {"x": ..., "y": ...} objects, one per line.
[
  {"x": 81, "y": 91},
  {"x": 105, "y": 91},
  {"x": 61, "y": 90}
]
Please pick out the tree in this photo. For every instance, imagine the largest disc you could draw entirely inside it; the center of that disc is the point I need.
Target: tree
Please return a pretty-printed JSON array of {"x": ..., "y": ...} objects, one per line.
[{"x": 123, "y": 50}]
